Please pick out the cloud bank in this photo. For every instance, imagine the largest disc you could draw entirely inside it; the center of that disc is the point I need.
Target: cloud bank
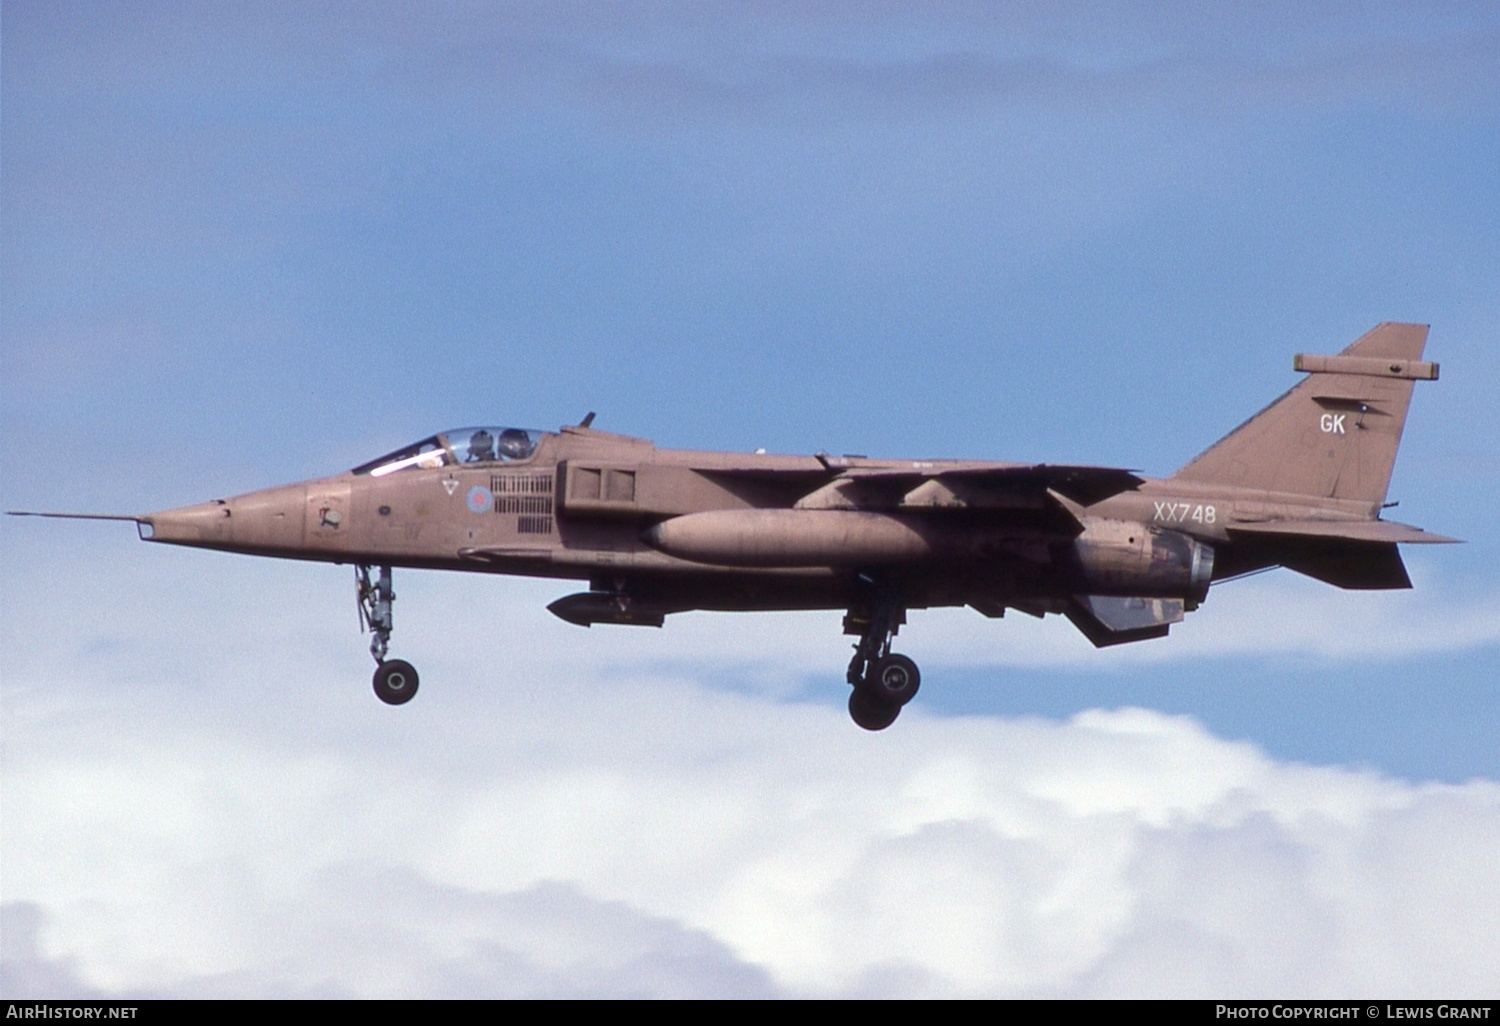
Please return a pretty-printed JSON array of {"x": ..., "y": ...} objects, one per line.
[
  {"x": 202, "y": 798},
  {"x": 252, "y": 833}
]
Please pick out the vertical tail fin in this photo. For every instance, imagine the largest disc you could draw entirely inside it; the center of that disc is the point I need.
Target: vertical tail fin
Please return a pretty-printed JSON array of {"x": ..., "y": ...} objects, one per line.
[{"x": 1334, "y": 435}]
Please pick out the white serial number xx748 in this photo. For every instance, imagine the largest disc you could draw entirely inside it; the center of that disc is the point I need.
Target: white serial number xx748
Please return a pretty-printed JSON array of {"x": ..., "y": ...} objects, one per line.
[{"x": 1181, "y": 512}]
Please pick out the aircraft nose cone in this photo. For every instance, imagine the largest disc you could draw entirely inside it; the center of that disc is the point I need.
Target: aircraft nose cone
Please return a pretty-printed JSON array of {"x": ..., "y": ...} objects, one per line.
[
  {"x": 268, "y": 521},
  {"x": 206, "y": 523}
]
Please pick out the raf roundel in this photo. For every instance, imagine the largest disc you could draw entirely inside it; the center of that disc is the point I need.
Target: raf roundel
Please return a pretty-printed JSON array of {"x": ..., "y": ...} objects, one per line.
[{"x": 479, "y": 499}]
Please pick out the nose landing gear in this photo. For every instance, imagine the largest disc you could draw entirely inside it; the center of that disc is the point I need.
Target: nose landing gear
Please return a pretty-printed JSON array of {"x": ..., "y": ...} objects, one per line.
[
  {"x": 395, "y": 680},
  {"x": 883, "y": 680}
]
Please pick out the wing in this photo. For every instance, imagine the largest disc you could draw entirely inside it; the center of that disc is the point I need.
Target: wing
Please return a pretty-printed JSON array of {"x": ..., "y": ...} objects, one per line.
[{"x": 1017, "y": 487}]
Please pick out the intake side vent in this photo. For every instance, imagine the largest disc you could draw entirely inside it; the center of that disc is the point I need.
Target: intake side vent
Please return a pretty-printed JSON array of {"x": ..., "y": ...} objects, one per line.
[
  {"x": 527, "y": 497},
  {"x": 535, "y": 504},
  {"x": 533, "y": 525},
  {"x": 522, "y": 484}
]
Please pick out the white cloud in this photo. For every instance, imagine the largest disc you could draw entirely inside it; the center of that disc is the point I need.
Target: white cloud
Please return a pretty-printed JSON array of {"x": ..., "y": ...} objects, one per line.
[
  {"x": 651, "y": 836},
  {"x": 202, "y": 797}
]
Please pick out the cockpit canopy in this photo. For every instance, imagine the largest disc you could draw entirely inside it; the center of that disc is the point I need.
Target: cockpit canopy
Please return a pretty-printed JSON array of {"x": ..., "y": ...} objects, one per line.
[{"x": 459, "y": 446}]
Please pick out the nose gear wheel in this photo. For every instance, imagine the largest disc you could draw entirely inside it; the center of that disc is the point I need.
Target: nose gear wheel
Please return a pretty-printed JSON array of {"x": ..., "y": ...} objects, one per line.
[{"x": 395, "y": 682}]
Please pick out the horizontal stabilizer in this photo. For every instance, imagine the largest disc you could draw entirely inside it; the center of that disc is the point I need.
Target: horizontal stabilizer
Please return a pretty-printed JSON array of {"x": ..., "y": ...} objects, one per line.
[
  {"x": 1360, "y": 566},
  {"x": 1115, "y": 620},
  {"x": 1372, "y": 531}
]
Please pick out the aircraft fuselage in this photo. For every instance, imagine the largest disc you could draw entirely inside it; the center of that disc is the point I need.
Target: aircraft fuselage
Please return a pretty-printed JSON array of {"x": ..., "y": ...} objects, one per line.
[{"x": 660, "y": 531}]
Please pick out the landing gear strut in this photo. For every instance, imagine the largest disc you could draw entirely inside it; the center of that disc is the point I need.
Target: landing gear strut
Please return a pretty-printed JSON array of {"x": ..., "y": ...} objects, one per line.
[
  {"x": 395, "y": 679},
  {"x": 883, "y": 680}
]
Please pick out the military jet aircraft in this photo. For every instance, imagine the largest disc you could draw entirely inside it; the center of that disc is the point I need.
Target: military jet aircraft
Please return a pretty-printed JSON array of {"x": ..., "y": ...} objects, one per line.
[{"x": 658, "y": 531}]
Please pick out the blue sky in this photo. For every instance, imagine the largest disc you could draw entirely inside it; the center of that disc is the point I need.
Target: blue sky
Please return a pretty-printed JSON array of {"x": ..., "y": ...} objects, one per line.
[{"x": 245, "y": 247}]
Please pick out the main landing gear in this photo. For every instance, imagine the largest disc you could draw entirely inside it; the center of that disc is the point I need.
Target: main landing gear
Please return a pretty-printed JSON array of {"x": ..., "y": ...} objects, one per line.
[
  {"x": 395, "y": 679},
  {"x": 883, "y": 680}
]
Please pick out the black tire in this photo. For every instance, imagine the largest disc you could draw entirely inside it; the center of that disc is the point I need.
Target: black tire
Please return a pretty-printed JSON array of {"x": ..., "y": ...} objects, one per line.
[
  {"x": 893, "y": 680},
  {"x": 870, "y": 713},
  {"x": 395, "y": 682}
]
